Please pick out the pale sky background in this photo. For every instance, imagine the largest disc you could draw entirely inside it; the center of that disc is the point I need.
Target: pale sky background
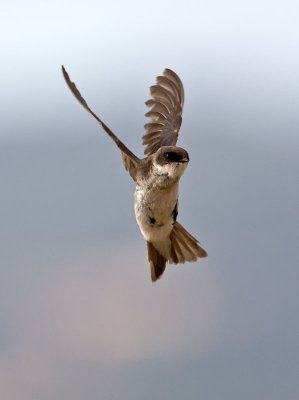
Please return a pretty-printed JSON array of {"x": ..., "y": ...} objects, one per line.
[{"x": 79, "y": 316}]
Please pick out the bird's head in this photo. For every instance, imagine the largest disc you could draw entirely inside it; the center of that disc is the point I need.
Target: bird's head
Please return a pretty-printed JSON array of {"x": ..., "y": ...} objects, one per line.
[{"x": 171, "y": 161}]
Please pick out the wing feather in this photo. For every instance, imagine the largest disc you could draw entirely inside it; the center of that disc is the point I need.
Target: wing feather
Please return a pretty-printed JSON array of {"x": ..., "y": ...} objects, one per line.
[
  {"x": 130, "y": 161},
  {"x": 165, "y": 115}
]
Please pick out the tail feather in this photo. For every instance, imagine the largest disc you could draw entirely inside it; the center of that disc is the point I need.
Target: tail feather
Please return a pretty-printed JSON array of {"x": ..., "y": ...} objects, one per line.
[
  {"x": 184, "y": 246},
  {"x": 179, "y": 248},
  {"x": 178, "y": 255},
  {"x": 157, "y": 262}
]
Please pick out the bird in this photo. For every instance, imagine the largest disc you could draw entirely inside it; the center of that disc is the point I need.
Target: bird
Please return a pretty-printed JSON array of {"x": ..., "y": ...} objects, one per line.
[{"x": 157, "y": 175}]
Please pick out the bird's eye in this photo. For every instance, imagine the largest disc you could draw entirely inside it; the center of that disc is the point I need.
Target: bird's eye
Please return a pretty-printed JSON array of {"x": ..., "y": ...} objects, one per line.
[
  {"x": 175, "y": 157},
  {"x": 171, "y": 156}
]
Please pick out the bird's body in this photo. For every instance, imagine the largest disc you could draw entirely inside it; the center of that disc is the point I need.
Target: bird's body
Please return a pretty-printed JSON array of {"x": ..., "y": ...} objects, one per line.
[
  {"x": 157, "y": 175},
  {"x": 154, "y": 211},
  {"x": 156, "y": 201}
]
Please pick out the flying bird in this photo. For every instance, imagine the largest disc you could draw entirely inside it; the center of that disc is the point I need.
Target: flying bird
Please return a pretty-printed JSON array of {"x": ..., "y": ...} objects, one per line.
[{"x": 157, "y": 175}]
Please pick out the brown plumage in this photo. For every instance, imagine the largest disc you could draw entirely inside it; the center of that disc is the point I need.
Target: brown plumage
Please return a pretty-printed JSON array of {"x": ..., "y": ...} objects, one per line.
[
  {"x": 183, "y": 248},
  {"x": 166, "y": 112},
  {"x": 157, "y": 175},
  {"x": 157, "y": 262}
]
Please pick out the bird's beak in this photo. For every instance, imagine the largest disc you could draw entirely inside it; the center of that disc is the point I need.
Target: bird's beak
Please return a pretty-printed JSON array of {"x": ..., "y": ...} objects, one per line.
[{"x": 184, "y": 160}]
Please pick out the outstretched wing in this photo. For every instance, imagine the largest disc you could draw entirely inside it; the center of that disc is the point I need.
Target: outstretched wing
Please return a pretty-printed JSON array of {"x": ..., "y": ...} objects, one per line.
[
  {"x": 166, "y": 112},
  {"x": 131, "y": 162}
]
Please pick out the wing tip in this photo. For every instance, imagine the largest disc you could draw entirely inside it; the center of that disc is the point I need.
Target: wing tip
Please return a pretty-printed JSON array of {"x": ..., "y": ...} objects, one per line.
[{"x": 65, "y": 74}]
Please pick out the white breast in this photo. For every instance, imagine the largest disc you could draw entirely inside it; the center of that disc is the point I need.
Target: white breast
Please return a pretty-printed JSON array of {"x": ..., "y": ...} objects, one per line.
[
  {"x": 154, "y": 211},
  {"x": 155, "y": 201}
]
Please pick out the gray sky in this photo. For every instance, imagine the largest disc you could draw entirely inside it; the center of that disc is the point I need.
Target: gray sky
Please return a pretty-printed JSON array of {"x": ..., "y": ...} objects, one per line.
[{"x": 79, "y": 315}]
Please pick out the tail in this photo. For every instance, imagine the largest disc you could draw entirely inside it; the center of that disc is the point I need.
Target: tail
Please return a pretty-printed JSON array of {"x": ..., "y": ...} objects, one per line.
[
  {"x": 183, "y": 247},
  {"x": 157, "y": 262}
]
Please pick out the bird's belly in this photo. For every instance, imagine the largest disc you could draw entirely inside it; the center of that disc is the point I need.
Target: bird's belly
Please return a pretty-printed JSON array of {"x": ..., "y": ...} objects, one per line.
[{"x": 154, "y": 212}]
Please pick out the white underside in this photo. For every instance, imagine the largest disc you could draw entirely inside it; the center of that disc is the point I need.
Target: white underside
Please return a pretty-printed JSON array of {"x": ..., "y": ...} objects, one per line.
[
  {"x": 156, "y": 204},
  {"x": 157, "y": 200}
]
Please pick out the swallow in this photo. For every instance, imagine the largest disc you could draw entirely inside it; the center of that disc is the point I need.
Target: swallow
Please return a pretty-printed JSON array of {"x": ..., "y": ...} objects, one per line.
[{"x": 157, "y": 175}]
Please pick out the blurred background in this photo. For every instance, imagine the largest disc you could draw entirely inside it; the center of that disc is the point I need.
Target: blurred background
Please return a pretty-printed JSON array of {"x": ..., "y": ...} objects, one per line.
[{"x": 79, "y": 316}]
